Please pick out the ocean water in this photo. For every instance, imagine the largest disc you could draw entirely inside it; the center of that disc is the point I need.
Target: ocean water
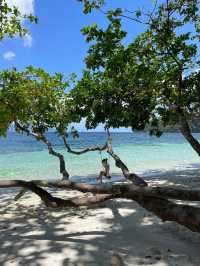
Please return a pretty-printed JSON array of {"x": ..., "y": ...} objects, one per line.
[{"x": 22, "y": 157}]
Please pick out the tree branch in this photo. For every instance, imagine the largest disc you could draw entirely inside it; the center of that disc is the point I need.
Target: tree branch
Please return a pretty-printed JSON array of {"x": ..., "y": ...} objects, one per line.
[
  {"x": 124, "y": 189},
  {"x": 82, "y": 151},
  {"x": 55, "y": 202},
  {"x": 166, "y": 210},
  {"x": 151, "y": 198},
  {"x": 41, "y": 137},
  {"x": 125, "y": 16},
  {"x": 138, "y": 181},
  {"x": 186, "y": 131}
]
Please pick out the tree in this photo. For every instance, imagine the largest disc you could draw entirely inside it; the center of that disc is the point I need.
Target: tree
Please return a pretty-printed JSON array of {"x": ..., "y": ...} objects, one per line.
[
  {"x": 153, "y": 81},
  {"x": 12, "y": 21},
  {"x": 35, "y": 101}
]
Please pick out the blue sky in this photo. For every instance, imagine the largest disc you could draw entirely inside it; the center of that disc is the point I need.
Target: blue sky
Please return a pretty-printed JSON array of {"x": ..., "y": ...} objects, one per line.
[{"x": 56, "y": 43}]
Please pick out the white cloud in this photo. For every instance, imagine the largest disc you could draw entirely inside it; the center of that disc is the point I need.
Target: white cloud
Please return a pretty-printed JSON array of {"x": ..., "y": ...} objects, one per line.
[
  {"x": 28, "y": 40},
  {"x": 9, "y": 55},
  {"x": 25, "y": 6}
]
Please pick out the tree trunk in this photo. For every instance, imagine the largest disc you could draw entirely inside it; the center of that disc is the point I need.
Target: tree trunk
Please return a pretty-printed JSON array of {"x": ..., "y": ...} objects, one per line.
[
  {"x": 55, "y": 202},
  {"x": 166, "y": 210},
  {"x": 153, "y": 199},
  {"x": 186, "y": 132},
  {"x": 137, "y": 180},
  {"x": 125, "y": 190}
]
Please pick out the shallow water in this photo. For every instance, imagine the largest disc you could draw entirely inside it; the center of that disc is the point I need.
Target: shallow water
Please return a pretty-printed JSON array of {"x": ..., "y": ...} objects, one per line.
[{"x": 24, "y": 157}]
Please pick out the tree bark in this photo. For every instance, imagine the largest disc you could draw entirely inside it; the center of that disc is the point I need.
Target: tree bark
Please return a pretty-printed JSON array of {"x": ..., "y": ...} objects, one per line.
[
  {"x": 137, "y": 180},
  {"x": 153, "y": 199},
  {"x": 55, "y": 202},
  {"x": 41, "y": 137},
  {"x": 82, "y": 151},
  {"x": 186, "y": 132},
  {"x": 124, "y": 190},
  {"x": 166, "y": 210}
]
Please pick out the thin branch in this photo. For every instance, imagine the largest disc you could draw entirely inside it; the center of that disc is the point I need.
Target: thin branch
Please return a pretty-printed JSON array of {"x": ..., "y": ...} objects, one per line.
[
  {"x": 41, "y": 137},
  {"x": 82, "y": 151},
  {"x": 125, "y": 16},
  {"x": 21, "y": 193},
  {"x": 154, "y": 8},
  {"x": 134, "y": 19}
]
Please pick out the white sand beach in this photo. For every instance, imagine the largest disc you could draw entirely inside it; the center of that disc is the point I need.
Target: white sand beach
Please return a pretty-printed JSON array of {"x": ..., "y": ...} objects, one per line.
[{"x": 33, "y": 235}]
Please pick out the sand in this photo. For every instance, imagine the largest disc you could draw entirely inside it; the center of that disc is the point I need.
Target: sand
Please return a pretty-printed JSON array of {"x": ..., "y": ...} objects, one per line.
[{"x": 33, "y": 235}]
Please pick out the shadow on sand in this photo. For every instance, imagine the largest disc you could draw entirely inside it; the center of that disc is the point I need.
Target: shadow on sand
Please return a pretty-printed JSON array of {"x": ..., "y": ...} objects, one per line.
[{"x": 32, "y": 235}]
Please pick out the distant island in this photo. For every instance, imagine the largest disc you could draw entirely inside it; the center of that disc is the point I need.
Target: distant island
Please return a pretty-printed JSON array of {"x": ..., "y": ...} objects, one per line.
[{"x": 194, "y": 126}]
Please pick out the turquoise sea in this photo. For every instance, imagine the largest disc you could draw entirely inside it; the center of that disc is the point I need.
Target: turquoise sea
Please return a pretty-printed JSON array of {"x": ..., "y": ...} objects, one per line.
[{"x": 22, "y": 157}]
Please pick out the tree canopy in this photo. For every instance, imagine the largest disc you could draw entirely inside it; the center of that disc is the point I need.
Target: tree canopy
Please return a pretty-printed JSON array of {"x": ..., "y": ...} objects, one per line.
[
  {"x": 152, "y": 80},
  {"x": 35, "y": 99}
]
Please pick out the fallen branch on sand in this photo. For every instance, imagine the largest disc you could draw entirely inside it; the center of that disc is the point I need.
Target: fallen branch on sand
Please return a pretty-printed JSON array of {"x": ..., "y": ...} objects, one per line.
[{"x": 154, "y": 199}]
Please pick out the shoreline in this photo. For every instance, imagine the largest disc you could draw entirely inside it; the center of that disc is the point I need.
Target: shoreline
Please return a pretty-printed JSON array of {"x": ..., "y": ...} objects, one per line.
[{"x": 22, "y": 156}]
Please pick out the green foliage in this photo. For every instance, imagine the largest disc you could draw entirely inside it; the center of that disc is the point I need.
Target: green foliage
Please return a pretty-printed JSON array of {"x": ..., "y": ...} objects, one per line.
[
  {"x": 138, "y": 13},
  {"x": 12, "y": 21},
  {"x": 105, "y": 42},
  {"x": 88, "y": 5},
  {"x": 35, "y": 99},
  {"x": 145, "y": 82}
]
